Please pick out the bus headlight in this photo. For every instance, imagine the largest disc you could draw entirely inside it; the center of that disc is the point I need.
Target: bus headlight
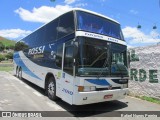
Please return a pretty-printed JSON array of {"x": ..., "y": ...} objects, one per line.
[{"x": 86, "y": 88}]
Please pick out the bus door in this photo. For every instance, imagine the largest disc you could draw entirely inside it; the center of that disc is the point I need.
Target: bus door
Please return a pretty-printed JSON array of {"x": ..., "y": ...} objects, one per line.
[{"x": 67, "y": 79}]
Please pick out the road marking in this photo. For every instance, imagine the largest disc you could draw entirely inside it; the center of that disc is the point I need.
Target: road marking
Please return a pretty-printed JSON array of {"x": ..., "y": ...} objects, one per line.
[
  {"x": 16, "y": 79},
  {"x": 4, "y": 101},
  {"x": 55, "y": 106},
  {"x": 6, "y": 85},
  {"x": 28, "y": 87},
  {"x": 38, "y": 94},
  {"x": 21, "y": 82}
]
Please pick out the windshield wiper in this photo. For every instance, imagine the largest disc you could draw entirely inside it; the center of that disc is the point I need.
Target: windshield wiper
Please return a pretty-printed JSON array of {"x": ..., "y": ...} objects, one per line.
[
  {"x": 105, "y": 62},
  {"x": 102, "y": 70}
]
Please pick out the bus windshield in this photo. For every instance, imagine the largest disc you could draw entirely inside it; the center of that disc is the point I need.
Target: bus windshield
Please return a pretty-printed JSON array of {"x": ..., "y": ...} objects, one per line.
[
  {"x": 118, "y": 60},
  {"x": 98, "y": 58},
  {"x": 95, "y": 24}
]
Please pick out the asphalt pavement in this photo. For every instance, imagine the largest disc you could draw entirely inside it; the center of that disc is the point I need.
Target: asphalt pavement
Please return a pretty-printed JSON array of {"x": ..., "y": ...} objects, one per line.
[{"x": 23, "y": 96}]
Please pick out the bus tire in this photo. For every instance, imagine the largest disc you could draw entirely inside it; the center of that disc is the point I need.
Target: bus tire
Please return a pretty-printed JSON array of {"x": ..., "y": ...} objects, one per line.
[
  {"x": 51, "y": 89},
  {"x": 20, "y": 73}
]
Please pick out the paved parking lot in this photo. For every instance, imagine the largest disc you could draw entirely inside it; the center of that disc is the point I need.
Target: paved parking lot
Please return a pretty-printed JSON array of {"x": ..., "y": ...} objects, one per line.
[{"x": 21, "y": 95}]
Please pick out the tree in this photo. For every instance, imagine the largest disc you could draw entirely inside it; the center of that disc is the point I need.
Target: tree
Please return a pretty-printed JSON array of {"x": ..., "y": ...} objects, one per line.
[
  {"x": 20, "y": 46},
  {"x": 7, "y": 47},
  {"x": 11, "y": 47},
  {"x": 9, "y": 55},
  {"x": 1, "y": 46},
  {"x": 2, "y": 57}
]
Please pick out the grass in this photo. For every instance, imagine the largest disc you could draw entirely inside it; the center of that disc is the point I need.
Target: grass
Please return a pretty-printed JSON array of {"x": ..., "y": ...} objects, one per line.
[
  {"x": 7, "y": 42},
  {"x": 6, "y": 62},
  {"x": 150, "y": 99},
  {"x": 6, "y": 66},
  {"x": 7, "y": 69}
]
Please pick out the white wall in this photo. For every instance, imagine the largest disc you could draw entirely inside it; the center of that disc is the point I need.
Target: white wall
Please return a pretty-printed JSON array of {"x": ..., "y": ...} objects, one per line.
[{"x": 145, "y": 65}]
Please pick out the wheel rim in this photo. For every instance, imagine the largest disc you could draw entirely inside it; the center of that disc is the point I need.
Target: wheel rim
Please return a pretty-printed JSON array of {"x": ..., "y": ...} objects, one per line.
[{"x": 51, "y": 89}]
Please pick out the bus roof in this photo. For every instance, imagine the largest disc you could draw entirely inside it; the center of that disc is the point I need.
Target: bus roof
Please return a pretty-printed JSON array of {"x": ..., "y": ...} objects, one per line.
[
  {"x": 74, "y": 9},
  {"x": 88, "y": 11}
]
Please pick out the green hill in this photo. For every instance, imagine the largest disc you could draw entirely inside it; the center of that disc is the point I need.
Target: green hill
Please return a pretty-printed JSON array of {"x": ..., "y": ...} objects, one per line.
[{"x": 7, "y": 42}]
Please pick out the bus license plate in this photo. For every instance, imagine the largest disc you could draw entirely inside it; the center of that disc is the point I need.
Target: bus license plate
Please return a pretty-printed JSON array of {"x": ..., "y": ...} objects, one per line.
[{"x": 108, "y": 96}]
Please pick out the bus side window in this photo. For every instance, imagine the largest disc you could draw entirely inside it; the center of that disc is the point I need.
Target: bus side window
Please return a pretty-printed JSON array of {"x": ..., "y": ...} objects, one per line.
[
  {"x": 66, "y": 25},
  {"x": 51, "y": 31},
  {"x": 40, "y": 37},
  {"x": 59, "y": 56},
  {"x": 68, "y": 60}
]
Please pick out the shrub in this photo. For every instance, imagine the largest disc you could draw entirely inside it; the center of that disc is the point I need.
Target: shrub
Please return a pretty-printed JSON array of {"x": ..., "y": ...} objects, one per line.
[
  {"x": 2, "y": 57},
  {"x": 9, "y": 55},
  {"x": 1, "y": 46}
]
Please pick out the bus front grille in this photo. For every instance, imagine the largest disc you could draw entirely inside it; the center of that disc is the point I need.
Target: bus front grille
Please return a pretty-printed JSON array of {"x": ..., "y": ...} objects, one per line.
[{"x": 113, "y": 88}]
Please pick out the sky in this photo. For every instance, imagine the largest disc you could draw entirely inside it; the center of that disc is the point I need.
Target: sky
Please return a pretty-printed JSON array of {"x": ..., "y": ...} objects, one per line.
[{"x": 18, "y": 18}]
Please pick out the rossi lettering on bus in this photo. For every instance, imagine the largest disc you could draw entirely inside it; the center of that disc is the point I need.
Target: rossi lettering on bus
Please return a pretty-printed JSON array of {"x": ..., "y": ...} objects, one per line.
[{"x": 37, "y": 50}]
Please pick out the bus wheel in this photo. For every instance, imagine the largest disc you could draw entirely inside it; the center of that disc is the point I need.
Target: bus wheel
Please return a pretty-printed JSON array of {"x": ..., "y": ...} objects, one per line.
[
  {"x": 20, "y": 73},
  {"x": 51, "y": 89}
]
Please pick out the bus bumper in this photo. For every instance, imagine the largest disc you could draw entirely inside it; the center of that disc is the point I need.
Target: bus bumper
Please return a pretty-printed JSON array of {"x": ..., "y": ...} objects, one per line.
[{"x": 83, "y": 98}]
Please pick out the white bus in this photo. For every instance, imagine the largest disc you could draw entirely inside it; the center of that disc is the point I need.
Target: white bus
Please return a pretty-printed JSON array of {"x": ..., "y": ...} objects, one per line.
[{"x": 80, "y": 57}]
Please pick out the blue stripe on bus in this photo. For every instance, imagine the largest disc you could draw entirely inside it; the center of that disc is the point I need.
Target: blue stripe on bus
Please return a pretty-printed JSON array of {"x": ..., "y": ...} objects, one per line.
[
  {"x": 101, "y": 82},
  {"x": 25, "y": 69}
]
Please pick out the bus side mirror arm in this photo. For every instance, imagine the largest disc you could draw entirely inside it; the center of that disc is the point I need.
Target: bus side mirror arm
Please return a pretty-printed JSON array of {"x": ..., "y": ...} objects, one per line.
[{"x": 75, "y": 46}]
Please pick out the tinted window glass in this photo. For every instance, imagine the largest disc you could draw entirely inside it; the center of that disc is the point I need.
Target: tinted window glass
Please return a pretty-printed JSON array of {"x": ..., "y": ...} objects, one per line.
[
  {"x": 26, "y": 39},
  {"x": 20, "y": 46},
  {"x": 118, "y": 59},
  {"x": 31, "y": 40},
  {"x": 40, "y": 35},
  {"x": 66, "y": 25},
  {"x": 36, "y": 38},
  {"x": 93, "y": 58},
  {"x": 68, "y": 60},
  {"x": 59, "y": 55},
  {"x": 100, "y": 25},
  {"x": 51, "y": 31}
]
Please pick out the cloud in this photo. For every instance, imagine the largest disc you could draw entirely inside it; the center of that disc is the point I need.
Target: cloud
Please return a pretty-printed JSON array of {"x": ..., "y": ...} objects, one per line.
[
  {"x": 69, "y": 1},
  {"x": 133, "y": 12},
  {"x": 130, "y": 46},
  {"x": 136, "y": 37},
  {"x": 81, "y": 4},
  {"x": 61, "y": 29},
  {"x": 14, "y": 33},
  {"x": 42, "y": 14}
]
